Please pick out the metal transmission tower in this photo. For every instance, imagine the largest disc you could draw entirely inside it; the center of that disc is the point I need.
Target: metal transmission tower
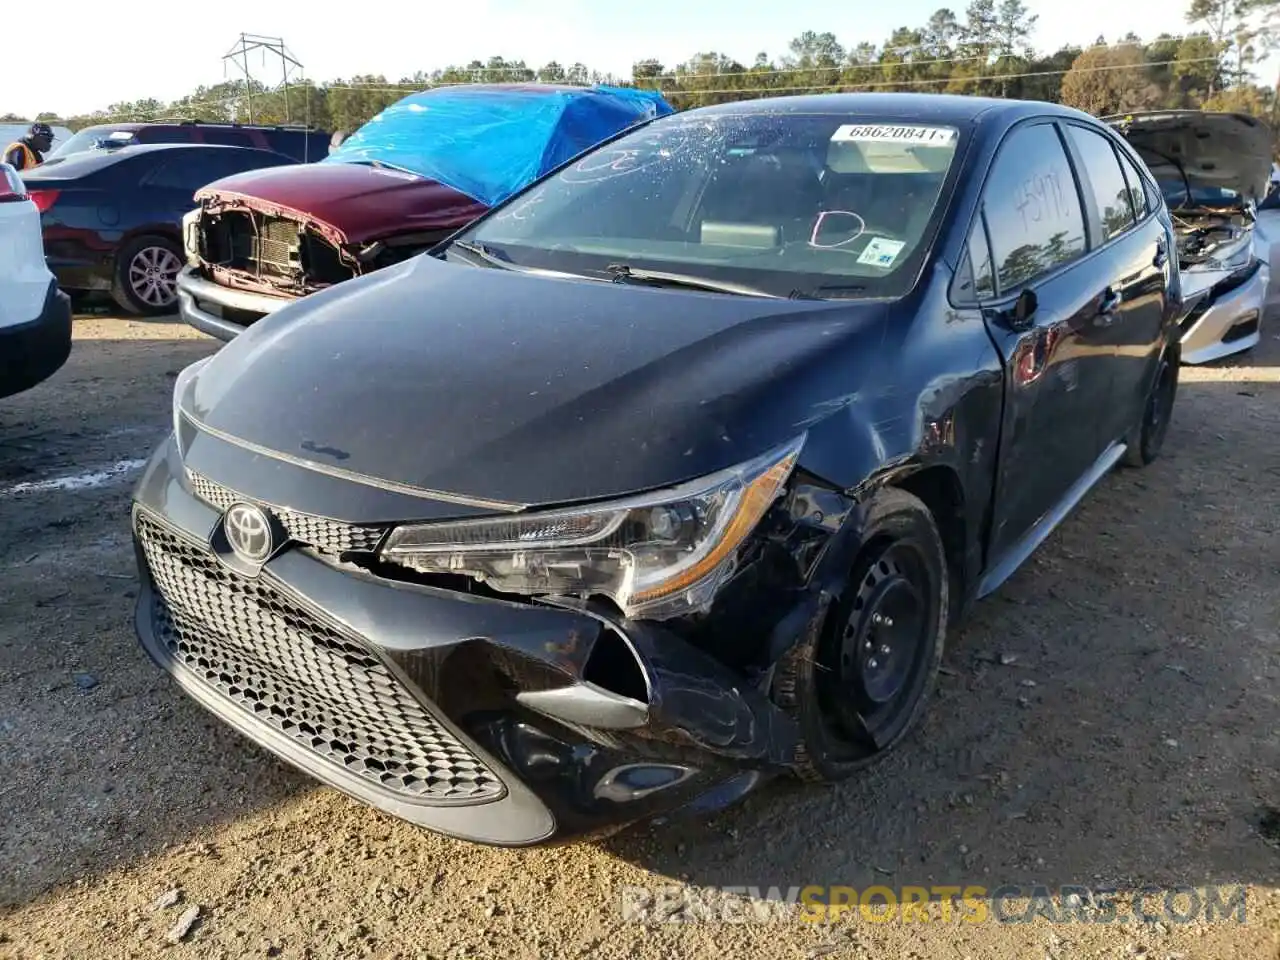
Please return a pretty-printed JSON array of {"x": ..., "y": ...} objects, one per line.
[{"x": 272, "y": 47}]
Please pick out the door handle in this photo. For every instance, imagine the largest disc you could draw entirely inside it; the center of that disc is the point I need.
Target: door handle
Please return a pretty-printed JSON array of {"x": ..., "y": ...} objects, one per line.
[
  {"x": 1110, "y": 304},
  {"x": 1161, "y": 257}
]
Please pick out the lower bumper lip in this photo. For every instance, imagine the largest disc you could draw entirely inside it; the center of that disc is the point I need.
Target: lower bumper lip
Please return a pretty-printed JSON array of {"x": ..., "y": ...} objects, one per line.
[{"x": 554, "y": 722}]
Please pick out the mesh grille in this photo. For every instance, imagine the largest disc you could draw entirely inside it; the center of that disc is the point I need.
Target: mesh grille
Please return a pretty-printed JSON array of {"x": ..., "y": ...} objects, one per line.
[
  {"x": 330, "y": 536},
  {"x": 274, "y": 660},
  {"x": 263, "y": 244},
  {"x": 278, "y": 245}
]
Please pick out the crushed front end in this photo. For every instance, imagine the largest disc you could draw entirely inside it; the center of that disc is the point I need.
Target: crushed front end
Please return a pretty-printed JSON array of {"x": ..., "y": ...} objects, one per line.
[
  {"x": 1212, "y": 169},
  {"x": 244, "y": 263},
  {"x": 489, "y": 717},
  {"x": 1225, "y": 283}
]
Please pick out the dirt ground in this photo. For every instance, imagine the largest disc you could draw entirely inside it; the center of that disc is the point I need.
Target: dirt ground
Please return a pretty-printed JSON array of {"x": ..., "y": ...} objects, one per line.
[{"x": 1110, "y": 717}]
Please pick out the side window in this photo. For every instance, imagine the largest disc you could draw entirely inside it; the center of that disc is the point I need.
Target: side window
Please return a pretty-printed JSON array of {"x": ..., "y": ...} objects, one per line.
[
  {"x": 1137, "y": 186},
  {"x": 1105, "y": 178},
  {"x": 226, "y": 162},
  {"x": 162, "y": 134},
  {"x": 1032, "y": 207},
  {"x": 975, "y": 279},
  {"x": 189, "y": 170},
  {"x": 227, "y": 136},
  {"x": 167, "y": 174}
]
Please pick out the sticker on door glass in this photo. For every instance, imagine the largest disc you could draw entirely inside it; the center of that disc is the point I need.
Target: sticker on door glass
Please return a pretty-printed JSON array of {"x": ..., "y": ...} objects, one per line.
[
  {"x": 894, "y": 133},
  {"x": 881, "y": 252}
]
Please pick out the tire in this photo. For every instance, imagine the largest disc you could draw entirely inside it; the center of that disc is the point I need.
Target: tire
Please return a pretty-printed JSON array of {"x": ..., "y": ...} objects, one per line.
[
  {"x": 852, "y": 700},
  {"x": 146, "y": 276},
  {"x": 1146, "y": 440}
]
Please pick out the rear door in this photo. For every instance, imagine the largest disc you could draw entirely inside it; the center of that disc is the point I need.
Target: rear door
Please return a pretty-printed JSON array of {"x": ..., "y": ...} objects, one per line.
[
  {"x": 1132, "y": 249},
  {"x": 1057, "y": 363}
]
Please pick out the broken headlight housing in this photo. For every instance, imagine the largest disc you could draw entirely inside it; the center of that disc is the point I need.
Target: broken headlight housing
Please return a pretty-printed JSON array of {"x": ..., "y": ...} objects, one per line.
[
  {"x": 1235, "y": 254},
  {"x": 657, "y": 555}
]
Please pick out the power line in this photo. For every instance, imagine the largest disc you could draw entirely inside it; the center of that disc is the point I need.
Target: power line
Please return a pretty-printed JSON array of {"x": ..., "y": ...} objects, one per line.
[
  {"x": 407, "y": 88},
  {"x": 954, "y": 79},
  {"x": 772, "y": 71}
]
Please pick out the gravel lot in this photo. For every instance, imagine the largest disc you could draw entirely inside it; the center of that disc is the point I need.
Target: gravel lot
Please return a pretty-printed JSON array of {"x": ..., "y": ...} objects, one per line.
[{"x": 1110, "y": 716}]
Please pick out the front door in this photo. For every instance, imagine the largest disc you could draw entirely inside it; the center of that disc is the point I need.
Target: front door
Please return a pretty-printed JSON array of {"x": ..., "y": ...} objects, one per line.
[{"x": 1047, "y": 314}]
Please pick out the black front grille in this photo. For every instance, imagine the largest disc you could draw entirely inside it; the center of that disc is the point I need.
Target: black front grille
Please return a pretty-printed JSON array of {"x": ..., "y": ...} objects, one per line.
[
  {"x": 277, "y": 662},
  {"x": 329, "y": 536}
]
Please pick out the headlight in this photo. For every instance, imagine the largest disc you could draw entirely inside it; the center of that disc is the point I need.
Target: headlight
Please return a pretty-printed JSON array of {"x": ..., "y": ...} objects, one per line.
[
  {"x": 180, "y": 385},
  {"x": 1234, "y": 257},
  {"x": 658, "y": 555},
  {"x": 190, "y": 236}
]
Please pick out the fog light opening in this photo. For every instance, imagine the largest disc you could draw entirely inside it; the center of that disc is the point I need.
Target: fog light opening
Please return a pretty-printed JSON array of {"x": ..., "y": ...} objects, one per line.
[
  {"x": 613, "y": 666},
  {"x": 635, "y": 781}
]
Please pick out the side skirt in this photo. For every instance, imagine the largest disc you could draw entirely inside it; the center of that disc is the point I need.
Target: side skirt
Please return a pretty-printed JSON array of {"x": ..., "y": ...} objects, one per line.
[{"x": 1019, "y": 552}]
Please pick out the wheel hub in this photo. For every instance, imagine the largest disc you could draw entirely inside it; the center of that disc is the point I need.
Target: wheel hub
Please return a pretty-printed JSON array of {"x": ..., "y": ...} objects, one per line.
[{"x": 882, "y": 637}]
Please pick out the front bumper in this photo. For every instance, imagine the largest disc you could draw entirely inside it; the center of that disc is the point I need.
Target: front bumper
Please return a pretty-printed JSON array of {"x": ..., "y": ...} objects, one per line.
[
  {"x": 1225, "y": 323},
  {"x": 33, "y": 351},
  {"x": 494, "y": 721},
  {"x": 211, "y": 308}
]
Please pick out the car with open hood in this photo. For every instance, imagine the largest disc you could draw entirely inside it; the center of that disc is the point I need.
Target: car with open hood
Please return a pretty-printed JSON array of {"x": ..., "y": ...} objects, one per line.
[
  {"x": 1213, "y": 169},
  {"x": 670, "y": 474},
  {"x": 421, "y": 169}
]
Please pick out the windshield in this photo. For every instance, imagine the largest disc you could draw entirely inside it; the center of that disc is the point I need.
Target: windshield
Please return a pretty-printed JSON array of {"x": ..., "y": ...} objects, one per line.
[
  {"x": 819, "y": 205},
  {"x": 88, "y": 138}
]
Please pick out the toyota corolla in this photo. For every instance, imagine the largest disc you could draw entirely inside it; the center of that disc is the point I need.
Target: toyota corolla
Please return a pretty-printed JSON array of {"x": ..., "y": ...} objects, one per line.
[{"x": 670, "y": 474}]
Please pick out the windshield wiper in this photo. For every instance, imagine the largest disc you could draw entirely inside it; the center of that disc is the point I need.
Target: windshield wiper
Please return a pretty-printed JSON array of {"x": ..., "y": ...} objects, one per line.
[
  {"x": 828, "y": 288},
  {"x": 481, "y": 252},
  {"x": 624, "y": 273}
]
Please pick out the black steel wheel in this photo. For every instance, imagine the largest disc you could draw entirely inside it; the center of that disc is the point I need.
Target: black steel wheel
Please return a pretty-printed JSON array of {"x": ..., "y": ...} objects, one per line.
[
  {"x": 859, "y": 681},
  {"x": 1147, "y": 439}
]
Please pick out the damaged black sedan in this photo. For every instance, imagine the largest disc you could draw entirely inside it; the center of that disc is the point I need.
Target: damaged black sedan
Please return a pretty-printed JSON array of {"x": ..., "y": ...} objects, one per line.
[{"x": 671, "y": 473}]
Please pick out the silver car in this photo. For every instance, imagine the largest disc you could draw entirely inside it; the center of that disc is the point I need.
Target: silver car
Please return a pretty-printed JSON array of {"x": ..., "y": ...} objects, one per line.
[{"x": 1213, "y": 169}]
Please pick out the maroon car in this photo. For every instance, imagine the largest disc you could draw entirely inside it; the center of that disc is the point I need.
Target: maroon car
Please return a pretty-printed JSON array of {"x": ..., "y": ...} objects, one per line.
[{"x": 422, "y": 169}]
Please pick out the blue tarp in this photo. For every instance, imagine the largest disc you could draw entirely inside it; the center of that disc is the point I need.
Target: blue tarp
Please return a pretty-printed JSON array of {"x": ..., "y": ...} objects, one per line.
[{"x": 489, "y": 141}]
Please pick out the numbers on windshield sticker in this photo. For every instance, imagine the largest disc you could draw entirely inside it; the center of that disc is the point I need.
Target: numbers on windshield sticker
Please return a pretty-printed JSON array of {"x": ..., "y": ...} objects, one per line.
[{"x": 1040, "y": 197}]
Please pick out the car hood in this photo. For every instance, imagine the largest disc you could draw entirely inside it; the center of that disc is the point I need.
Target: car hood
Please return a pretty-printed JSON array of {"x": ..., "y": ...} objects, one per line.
[
  {"x": 1230, "y": 150},
  {"x": 347, "y": 202},
  {"x": 518, "y": 389}
]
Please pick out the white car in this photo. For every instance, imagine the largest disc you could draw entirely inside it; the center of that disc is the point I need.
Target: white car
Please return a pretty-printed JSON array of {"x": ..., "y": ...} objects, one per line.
[
  {"x": 35, "y": 316},
  {"x": 1213, "y": 169}
]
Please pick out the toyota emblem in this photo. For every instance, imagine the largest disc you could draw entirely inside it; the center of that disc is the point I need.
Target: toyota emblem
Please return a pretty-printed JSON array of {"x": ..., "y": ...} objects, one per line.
[{"x": 248, "y": 531}]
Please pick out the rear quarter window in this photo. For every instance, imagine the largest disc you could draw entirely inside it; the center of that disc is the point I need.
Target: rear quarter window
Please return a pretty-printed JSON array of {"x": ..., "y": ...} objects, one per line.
[{"x": 1105, "y": 179}]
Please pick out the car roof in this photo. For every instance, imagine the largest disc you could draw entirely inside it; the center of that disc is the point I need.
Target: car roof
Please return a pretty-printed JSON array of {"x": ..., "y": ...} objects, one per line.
[
  {"x": 91, "y": 161},
  {"x": 136, "y": 125},
  {"x": 933, "y": 107}
]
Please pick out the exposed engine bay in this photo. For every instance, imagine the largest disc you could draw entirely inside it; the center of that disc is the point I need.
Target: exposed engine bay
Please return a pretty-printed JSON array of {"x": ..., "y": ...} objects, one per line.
[
  {"x": 270, "y": 253},
  {"x": 1213, "y": 238},
  {"x": 1212, "y": 169}
]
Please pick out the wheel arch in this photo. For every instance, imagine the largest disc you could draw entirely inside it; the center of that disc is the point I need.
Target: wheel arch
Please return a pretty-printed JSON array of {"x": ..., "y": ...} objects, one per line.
[{"x": 939, "y": 487}]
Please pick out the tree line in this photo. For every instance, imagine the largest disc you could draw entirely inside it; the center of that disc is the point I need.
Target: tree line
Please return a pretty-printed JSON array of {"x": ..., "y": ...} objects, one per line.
[{"x": 986, "y": 51}]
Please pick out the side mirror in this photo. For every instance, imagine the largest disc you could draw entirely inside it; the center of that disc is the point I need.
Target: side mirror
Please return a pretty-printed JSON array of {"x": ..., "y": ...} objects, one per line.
[{"x": 1023, "y": 312}]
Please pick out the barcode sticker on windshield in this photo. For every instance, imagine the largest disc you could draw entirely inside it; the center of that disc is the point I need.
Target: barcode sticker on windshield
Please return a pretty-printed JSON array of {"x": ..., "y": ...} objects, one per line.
[
  {"x": 894, "y": 133},
  {"x": 881, "y": 252}
]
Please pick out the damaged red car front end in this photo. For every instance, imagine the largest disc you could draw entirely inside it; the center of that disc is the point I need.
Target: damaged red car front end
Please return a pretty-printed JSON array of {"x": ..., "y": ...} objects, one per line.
[{"x": 261, "y": 240}]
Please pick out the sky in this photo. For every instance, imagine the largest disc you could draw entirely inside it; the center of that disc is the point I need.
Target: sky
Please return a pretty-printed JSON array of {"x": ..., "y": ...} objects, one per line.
[{"x": 107, "y": 58}]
